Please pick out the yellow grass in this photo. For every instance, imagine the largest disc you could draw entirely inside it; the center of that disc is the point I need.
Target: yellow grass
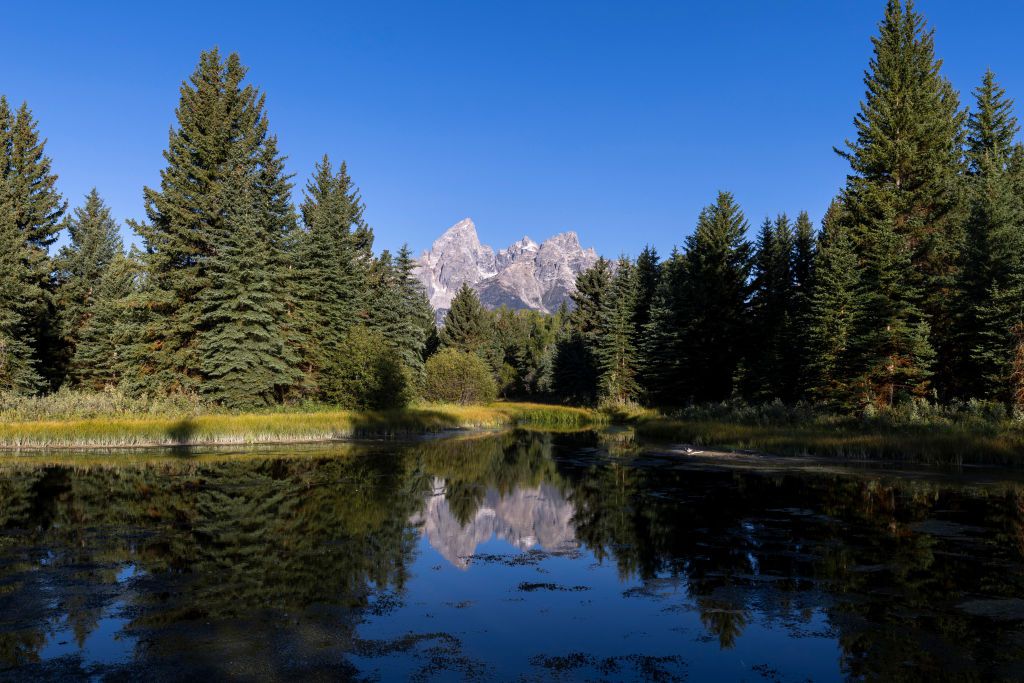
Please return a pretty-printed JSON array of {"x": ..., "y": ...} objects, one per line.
[{"x": 252, "y": 428}]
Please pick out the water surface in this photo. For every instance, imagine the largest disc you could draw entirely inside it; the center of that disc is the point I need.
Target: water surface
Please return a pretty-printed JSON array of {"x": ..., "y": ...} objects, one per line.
[{"x": 519, "y": 556}]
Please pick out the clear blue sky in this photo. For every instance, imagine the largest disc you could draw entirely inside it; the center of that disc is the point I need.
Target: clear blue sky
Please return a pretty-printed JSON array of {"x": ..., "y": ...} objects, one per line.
[{"x": 615, "y": 119}]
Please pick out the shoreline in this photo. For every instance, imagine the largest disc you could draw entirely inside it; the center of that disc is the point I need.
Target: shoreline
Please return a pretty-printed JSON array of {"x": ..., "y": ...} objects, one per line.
[{"x": 189, "y": 431}]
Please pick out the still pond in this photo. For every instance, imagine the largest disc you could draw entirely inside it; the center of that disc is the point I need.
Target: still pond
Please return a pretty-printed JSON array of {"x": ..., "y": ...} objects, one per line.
[{"x": 515, "y": 556}]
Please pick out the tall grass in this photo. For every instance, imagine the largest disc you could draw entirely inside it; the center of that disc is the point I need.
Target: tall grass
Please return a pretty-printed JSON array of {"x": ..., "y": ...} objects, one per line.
[
  {"x": 966, "y": 433},
  {"x": 141, "y": 424}
]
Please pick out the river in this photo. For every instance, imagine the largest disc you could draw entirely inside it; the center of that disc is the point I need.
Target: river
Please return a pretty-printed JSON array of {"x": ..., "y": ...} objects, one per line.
[{"x": 514, "y": 556}]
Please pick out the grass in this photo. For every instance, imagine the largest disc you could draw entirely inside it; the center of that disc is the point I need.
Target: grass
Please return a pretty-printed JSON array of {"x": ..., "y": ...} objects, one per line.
[
  {"x": 319, "y": 424},
  {"x": 930, "y": 442},
  {"x": 976, "y": 432}
]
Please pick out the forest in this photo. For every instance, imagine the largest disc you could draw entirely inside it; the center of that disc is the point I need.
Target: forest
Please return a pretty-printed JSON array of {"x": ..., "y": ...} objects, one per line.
[{"x": 910, "y": 291}]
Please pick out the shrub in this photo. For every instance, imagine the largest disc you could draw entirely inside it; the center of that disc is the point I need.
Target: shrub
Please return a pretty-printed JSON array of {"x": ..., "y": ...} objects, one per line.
[
  {"x": 370, "y": 375},
  {"x": 454, "y": 376}
]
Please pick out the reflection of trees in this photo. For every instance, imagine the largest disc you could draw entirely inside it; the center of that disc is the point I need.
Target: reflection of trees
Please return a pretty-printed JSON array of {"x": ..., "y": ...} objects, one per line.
[
  {"x": 854, "y": 547},
  {"x": 220, "y": 539}
]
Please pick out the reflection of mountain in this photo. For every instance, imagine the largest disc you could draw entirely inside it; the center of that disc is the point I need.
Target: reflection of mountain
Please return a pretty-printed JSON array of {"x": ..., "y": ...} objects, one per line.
[{"x": 526, "y": 517}]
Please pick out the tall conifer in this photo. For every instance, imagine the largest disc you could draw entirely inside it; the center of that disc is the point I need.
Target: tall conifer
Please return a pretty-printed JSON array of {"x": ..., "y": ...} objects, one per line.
[
  {"x": 94, "y": 243},
  {"x": 713, "y": 299},
  {"x": 243, "y": 351},
  {"x": 219, "y": 148},
  {"x": 769, "y": 368},
  {"x": 904, "y": 183},
  {"x": 617, "y": 352},
  {"x": 32, "y": 204},
  {"x": 830, "y": 313},
  {"x": 332, "y": 277}
]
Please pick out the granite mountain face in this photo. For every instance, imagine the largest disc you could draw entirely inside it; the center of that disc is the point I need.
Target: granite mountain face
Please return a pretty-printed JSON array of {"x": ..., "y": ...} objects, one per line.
[{"x": 523, "y": 275}]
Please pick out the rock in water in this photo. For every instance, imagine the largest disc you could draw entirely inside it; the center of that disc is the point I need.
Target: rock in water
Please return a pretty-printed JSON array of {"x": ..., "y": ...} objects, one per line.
[{"x": 523, "y": 275}]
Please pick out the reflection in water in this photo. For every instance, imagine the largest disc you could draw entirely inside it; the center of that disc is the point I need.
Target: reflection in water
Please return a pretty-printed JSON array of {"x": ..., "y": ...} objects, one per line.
[
  {"x": 524, "y": 518},
  {"x": 405, "y": 561}
]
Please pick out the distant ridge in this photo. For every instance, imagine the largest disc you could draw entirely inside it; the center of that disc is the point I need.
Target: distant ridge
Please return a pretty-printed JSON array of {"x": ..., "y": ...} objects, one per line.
[{"x": 524, "y": 275}]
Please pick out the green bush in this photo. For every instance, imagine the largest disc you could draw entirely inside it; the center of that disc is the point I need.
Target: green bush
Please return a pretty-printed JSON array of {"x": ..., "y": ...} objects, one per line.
[
  {"x": 454, "y": 376},
  {"x": 370, "y": 374}
]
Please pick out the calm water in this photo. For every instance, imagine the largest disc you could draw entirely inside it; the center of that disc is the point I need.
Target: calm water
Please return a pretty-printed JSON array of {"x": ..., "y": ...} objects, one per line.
[{"x": 504, "y": 557}]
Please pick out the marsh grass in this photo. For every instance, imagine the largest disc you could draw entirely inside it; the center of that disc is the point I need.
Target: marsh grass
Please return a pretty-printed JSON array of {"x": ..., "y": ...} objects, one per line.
[
  {"x": 315, "y": 423},
  {"x": 947, "y": 439}
]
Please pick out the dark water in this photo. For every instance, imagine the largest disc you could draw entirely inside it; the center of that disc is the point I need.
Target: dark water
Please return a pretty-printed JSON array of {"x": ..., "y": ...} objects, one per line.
[{"x": 504, "y": 557}]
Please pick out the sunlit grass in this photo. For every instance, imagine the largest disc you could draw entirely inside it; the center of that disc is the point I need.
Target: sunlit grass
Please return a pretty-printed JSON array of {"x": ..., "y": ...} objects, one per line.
[{"x": 316, "y": 425}]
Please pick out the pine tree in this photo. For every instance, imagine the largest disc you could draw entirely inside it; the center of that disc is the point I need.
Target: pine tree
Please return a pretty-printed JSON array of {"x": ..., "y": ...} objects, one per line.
[
  {"x": 662, "y": 373},
  {"x": 904, "y": 183},
  {"x": 400, "y": 311},
  {"x": 769, "y": 371},
  {"x": 576, "y": 366},
  {"x": 332, "y": 273},
  {"x": 29, "y": 198},
  {"x": 889, "y": 343},
  {"x": 221, "y": 138},
  {"x": 18, "y": 371},
  {"x": 831, "y": 312},
  {"x": 994, "y": 254},
  {"x": 244, "y": 356},
  {"x": 647, "y": 274},
  {"x": 81, "y": 265},
  {"x": 467, "y": 325},
  {"x": 97, "y": 362},
  {"x": 804, "y": 254},
  {"x": 617, "y": 345},
  {"x": 992, "y": 126},
  {"x": 998, "y": 353},
  {"x": 713, "y": 300}
]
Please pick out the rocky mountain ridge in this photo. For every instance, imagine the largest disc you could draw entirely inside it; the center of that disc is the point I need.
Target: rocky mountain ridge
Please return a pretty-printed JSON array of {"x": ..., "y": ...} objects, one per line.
[{"x": 523, "y": 275}]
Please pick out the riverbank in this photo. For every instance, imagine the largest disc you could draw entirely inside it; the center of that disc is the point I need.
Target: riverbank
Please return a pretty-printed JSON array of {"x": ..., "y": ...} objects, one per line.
[
  {"x": 282, "y": 427},
  {"x": 980, "y": 443}
]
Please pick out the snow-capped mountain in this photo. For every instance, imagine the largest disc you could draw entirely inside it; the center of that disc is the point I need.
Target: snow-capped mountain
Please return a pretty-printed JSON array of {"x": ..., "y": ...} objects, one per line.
[{"x": 523, "y": 275}]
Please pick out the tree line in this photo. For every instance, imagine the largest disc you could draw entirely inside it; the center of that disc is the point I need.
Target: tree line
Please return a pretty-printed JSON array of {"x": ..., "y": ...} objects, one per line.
[{"x": 913, "y": 287}]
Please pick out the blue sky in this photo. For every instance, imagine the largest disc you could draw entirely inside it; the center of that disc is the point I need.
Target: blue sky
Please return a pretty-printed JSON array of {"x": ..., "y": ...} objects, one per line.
[{"x": 615, "y": 119}]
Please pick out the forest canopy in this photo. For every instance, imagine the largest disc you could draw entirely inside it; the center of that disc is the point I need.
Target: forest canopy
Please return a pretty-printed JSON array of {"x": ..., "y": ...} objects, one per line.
[{"x": 247, "y": 293}]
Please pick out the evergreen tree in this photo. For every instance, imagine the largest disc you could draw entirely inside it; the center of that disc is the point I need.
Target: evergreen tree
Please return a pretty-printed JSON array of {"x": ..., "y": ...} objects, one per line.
[
  {"x": 243, "y": 349},
  {"x": 713, "y": 300},
  {"x": 648, "y": 271},
  {"x": 617, "y": 349},
  {"x": 769, "y": 368},
  {"x": 81, "y": 265},
  {"x": 804, "y": 254},
  {"x": 18, "y": 371},
  {"x": 663, "y": 376},
  {"x": 29, "y": 199},
  {"x": 332, "y": 274},
  {"x": 400, "y": 310},
  {"x": 219, "y": 148},
  {"x": 992, "y": 126},
  {"x": 994, "y": 254},
  {"x": 831, "y": 312},
  {"x": 891, "y": 354},
  {"x": 904, "y": 183},
  {"x": 467, "y": 325},
  {"x": 105, "y": 331},
  {"x": 576, "y": 365}
]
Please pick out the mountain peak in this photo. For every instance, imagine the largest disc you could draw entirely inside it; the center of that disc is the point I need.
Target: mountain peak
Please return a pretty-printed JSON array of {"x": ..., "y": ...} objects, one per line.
[
  {"x": 523, "y": 275},
  {"x": 464, "y": 227}
]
